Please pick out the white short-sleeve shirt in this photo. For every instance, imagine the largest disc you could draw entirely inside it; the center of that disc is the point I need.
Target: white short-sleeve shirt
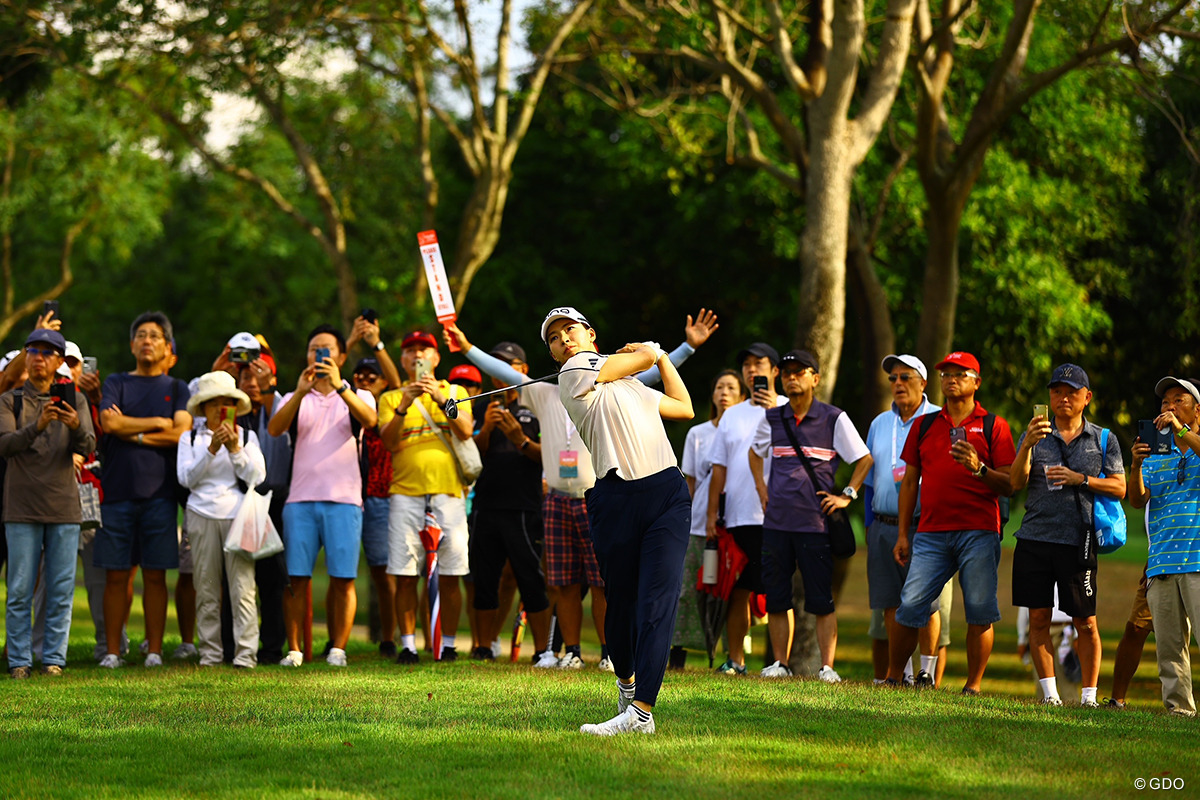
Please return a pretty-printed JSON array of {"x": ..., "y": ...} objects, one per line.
[
  {"x": 618, "y": 420},
  {"x": 730, "y": 449}
]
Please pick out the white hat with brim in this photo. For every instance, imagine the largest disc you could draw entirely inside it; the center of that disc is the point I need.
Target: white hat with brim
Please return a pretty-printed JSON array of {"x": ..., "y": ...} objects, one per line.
[
  {"x": 907, "y": 360},
  {"x": 1168, "y": 382},
  {"x": 73, "y": 351},
  {"x": 563, "y": 312},
  {"x": 217, "y": 384}
]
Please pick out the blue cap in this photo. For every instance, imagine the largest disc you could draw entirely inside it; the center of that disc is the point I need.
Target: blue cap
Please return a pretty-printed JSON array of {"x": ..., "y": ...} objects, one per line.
[
  {"x": 1072, "y": 375},
  {"x": 47, "y": 336}
]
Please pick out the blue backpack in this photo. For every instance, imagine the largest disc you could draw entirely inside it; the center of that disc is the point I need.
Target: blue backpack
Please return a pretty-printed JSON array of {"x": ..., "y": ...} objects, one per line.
[{"x": 1108, "y": 516}]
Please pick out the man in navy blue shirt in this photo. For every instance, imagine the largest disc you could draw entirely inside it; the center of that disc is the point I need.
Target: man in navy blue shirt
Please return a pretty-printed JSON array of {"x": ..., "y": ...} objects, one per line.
[{"x": 794, "y": 528}]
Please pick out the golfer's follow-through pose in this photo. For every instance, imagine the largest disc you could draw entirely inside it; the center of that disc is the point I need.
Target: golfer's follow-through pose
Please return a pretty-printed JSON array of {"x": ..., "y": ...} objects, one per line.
[{"x": 639, "y": 508}]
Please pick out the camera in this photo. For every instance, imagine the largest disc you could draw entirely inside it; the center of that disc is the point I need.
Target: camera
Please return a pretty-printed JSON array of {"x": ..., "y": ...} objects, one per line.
[{"x": 243, "y": 355}]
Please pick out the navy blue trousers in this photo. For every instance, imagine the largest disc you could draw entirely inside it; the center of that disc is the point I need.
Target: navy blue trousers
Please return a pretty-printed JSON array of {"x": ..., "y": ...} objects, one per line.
[{"x": 640, "y": 532}]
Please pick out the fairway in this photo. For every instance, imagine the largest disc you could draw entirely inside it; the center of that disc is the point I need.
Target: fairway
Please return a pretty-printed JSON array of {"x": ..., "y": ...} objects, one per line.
[{"x": 494, "y": 730}]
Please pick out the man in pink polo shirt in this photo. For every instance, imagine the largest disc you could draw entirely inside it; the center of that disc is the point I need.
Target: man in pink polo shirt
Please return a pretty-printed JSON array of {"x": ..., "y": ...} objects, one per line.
[{"x": 324, "y": 507}]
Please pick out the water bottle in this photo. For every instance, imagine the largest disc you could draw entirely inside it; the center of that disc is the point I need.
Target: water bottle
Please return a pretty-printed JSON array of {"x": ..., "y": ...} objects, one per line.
[{"x": 709, "y": 575}]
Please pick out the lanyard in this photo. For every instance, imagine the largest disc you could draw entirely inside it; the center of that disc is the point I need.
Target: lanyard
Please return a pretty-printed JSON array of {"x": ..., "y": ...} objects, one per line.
[{"x": 571, "y": 429}]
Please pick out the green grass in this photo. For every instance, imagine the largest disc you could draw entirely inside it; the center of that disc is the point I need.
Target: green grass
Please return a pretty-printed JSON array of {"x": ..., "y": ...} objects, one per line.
[{"x": 470, "y": 730}]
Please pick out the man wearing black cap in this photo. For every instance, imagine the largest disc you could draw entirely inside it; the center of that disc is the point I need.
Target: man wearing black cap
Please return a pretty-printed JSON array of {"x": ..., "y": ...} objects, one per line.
[
  {"x": 731, "y": 476},
  {"x": 39, "y": 434},
  {"x": 506, "y": 512},
  {"x": 1063, "y": 451},
  {"x": 795, "y": 510},
  {"x": 1170, "y": 486}
]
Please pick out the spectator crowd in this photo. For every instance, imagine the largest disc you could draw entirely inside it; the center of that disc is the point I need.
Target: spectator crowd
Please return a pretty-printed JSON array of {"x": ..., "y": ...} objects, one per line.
[{"x": 148, "y": 471}]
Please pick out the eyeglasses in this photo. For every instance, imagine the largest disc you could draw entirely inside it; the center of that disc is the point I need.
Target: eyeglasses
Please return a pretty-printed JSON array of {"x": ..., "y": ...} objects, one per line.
[
  {"x": 904, "y": 377},
  {"x": 153, "y": 336},
  {"x": 797, "y": 372},
  {"x": 37, "y": 351},
  {"x": 366, "y": 377},
  {"x": 957, "y": 376}
]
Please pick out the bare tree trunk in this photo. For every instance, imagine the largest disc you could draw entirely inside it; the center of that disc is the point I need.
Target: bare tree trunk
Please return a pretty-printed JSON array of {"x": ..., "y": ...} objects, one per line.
[
  {"x": 874, "y": 321},
  {"x": 935, "y": 337}
]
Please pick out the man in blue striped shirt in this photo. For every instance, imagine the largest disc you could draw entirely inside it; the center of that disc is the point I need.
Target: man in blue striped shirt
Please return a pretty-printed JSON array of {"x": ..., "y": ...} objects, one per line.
[{"x": 1172, "y": 483}]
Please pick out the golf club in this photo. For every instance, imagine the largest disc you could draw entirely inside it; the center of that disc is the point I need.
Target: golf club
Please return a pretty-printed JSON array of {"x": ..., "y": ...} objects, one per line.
[{"x": 451, "y": 406}]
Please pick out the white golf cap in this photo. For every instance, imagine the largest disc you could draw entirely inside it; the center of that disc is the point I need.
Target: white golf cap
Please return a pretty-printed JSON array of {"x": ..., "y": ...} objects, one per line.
[
  {"x": 563, "y": 312},
  {"x": 907, "y": 360},
  {"x": 65, "y": 371},
  {"x": 1168, "y": 382},
  {"x": 72, "y": 351},
  {"x": 244, "y": 341}
]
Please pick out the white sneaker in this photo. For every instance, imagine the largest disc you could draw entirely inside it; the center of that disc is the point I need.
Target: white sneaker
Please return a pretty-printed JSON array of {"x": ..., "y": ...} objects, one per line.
[
  {"x": 828, "y": 675},
  {"x": 111, "y": 661},
  {"x": 294, "y": 658},
  {"x": 144, "y": 647},
  {"x": 605, "y": 665},
  {"x": 570, "y": 661},
  {"x": 547, "y": 660},
  {"x": 624, "y": 697},
  {"x": 497, "y": 648},
  {"x": 1050, "y": 701},
  {"x": 776, "y": 670},
  {"x": 152, "y": 660},
  {"x": 336, "y": 657},
  {"x": 626, "y": 722},
  {"x": 185, "y": 650}
]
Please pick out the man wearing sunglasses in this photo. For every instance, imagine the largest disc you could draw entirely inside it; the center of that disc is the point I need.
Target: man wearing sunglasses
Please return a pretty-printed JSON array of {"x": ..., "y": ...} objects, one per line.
[
  {"x": 964, "y": 454},
  {"x": 885, "y": 578},
  {"x": 1170, "y": 486},
  {"x": 1060, "y": 460}
]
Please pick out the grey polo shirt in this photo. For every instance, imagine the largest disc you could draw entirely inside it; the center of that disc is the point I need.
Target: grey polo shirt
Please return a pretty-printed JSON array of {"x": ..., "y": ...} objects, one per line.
[{"x": 1053, "y": 516}]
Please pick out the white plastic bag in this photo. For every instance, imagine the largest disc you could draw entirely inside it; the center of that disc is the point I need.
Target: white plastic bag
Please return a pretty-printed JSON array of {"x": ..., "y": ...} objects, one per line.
[{"x": 252, "y": 533}]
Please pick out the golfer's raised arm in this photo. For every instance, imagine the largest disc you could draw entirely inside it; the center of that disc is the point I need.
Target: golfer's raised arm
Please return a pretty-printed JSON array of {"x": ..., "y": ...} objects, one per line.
[
  {"x": 487, "y": 362},
  {"x": 676, "y": 403}
]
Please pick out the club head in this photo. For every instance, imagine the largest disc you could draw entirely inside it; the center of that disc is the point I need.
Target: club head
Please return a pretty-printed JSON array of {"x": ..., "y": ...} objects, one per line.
[{"x": 451, "y": 409}]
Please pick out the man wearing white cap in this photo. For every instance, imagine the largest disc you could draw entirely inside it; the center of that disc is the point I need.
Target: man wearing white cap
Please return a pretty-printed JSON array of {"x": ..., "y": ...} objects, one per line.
[
  {"x": 885, "y": 578},
  {"x": 639, "y": 509},
  {"x": 1170, "y": 484}
]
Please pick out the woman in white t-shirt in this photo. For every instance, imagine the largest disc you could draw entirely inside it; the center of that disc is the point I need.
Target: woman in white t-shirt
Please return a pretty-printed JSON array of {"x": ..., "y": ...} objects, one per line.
[{"x": 696, "y": 464}]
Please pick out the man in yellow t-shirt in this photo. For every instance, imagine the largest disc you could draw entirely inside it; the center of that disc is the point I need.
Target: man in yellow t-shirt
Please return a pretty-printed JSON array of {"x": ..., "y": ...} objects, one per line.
[{"x": 423, "y": 467}]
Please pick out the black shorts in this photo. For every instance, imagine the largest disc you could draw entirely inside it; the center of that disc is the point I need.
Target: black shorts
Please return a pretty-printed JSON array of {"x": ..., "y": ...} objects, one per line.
[
  {"x": 783, "y": 553},
  {"x": 750, "y": 539},
  {"x": 1038, "y": 566}
]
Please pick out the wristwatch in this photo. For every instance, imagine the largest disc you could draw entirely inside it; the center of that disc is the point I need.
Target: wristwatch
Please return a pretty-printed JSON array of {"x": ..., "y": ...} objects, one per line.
[
  {"x": 1084, "y": 485},
  {"x": 141, "y": 438},
  {"x": 850, "y": 492},
  {"x": 979, "y": 473},
  {"x": 379, "y": 345},
  {"x": 342, "y": 388},
  {"x": 525, "y": 443},
  {"x": 1182, "y": 431}
]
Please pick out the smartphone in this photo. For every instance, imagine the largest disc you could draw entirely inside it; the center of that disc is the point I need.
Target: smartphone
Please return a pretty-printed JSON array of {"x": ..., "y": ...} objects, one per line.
[
  {"x": 322, "y": 354},
  {"x": 421, "y": 368},
  {"x": 759, "y": 382},
  {"x": 1042, "y": 411},
  {"x": 229, "y": 414},
  {"x": 90, "y": 365},
  {"x": 1160, "y": 443},
  {"x": 62, "y": 393},
  {"x": 369, "y": 315},
  {"x": 51, "y": 305},
  {"x": 242, "y": 355},
  {"x": 957, "y": 435}
]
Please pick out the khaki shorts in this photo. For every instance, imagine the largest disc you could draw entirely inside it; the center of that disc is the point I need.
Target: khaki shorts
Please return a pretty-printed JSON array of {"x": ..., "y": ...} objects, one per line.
[{"x": 1140, "y": 617}]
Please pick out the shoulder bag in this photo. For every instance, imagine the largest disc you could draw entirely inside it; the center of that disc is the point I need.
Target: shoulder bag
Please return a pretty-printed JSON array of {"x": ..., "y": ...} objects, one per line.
[
  {"x": 466, "y": 454},
  {"x": 1108, "y": 515},
  {"x": 837, "y": 524}
]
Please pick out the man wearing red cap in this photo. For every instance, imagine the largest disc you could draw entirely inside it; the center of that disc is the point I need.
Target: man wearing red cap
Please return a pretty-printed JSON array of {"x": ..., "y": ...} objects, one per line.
[
  {"x": 416, "y": 430},
  {"x": 964, "y": 454}
]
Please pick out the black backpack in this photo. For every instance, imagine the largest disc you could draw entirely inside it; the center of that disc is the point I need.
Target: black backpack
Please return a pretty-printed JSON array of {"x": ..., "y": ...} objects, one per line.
[{"x": 989, "y": 425}]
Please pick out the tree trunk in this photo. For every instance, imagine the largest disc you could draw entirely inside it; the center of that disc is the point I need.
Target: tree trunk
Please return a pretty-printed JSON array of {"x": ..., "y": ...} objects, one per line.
[
  {"x": 821, "y": 314},
  {"x": 935, "y": 337},
  {"x": 805, "y": 658},
  {"x": 874, "y": 320},
  {"x": 347, "y": 291}
]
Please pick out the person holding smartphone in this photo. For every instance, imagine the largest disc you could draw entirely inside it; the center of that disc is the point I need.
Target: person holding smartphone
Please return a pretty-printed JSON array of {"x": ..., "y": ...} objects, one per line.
[
  {"x": 1059, "y": 459},
  {"x": 218, "y": 462},
  {"x": 39, "y": 436},
  {"x": 325, "y": 416},
  {"x": 959, "y": 483},
  {"x": 759, "y": 365}
]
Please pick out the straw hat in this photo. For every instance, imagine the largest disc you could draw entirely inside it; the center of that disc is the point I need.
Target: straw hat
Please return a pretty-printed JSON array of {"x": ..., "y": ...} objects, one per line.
[{"x": 217, "y": 384}]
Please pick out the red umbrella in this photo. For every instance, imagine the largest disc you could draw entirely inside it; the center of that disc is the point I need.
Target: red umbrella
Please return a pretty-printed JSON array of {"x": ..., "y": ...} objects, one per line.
[
  {"x": 714, "y": 598},
  {"x": 431, "y": 537}
]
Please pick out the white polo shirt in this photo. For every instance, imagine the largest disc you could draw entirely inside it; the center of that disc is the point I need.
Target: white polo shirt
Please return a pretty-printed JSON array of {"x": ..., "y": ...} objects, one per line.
[
  {"x": 618, "y": 420},
  {"x": 731, "y": 449}
]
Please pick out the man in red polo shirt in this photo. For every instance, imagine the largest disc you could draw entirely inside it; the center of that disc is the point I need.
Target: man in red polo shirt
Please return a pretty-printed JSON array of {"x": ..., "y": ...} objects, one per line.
[{"x": 964, "y": 454}]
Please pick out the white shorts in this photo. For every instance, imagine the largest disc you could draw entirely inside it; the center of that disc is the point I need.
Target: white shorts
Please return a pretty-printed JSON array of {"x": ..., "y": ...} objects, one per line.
[{"x": 406, "y": 518}]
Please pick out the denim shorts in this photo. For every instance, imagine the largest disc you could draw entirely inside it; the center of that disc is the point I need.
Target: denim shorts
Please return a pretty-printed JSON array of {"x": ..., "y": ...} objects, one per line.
[
  {"x": 309, "y": 526},
  {"x": 142, "y": 532},
  {"x": 375, "y": 531},
  {"x": 935, "y": 557},
  {"x": 885, "y": 578}
]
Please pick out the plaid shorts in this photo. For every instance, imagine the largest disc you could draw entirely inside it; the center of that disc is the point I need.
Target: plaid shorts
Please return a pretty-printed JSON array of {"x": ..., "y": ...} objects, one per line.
[{"x": 570, "y": 557}]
